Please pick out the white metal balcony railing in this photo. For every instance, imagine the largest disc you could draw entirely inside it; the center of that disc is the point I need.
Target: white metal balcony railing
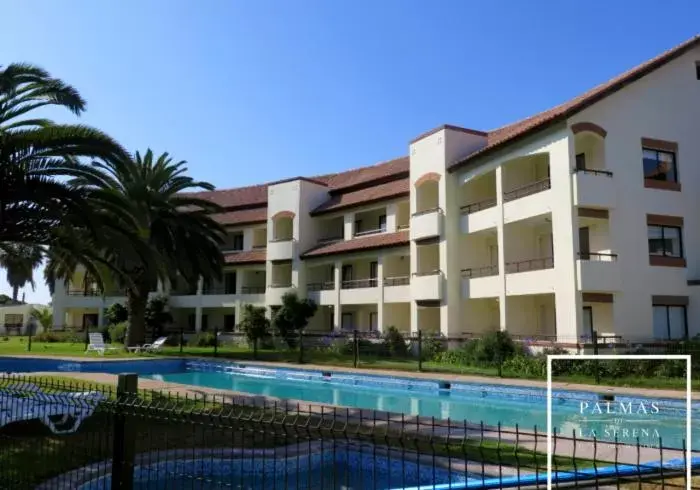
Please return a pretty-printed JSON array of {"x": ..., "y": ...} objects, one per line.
[
  {"x": 253, "y": 290},
  {"x": 530, "y": 265},
  {"x": 475, "y": 272},
  {"x": 330, "y": 239},
  {"x": 527, "y": 190},
  {"x": 281, "y": 285}
]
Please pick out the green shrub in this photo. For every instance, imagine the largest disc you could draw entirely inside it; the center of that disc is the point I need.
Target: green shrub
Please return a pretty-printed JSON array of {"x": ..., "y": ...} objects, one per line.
[
  {"x": 49, "y": 337},
  {"x": 202, "y": 339},
  {"x": 490, "y": 350},
  {"x": 117, "y": 332},
  {"x": 394, "y": 343},
  {"x": 432, "y": 348},
  {"x": 524, "y": 365}
]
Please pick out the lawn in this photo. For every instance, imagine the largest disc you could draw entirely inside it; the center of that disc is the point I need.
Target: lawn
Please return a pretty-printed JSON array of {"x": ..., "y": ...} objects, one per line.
[
  {"x": 18, "y": 346},
  {"x": 164, "y": 423}
]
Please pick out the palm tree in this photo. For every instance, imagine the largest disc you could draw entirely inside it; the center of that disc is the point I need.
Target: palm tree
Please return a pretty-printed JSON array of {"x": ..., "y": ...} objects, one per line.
[
  {"x": 34, "y": 151},
  {"x": 153, "y": 230},
  {"x": 19, "y": 262},
  {"x": 45, "y": 318}
]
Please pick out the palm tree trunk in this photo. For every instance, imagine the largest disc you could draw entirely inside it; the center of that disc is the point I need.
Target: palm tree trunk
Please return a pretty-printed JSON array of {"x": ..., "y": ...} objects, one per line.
[
  {"x": 136, "y": 304},
  {"x": 15, "y": 292}
]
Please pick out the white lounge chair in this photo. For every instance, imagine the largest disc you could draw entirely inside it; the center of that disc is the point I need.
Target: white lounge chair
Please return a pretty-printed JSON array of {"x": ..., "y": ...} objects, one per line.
[
  {"x": 97, "y": 344},
  {"x": 62, "y": 413},
  {"x": 153, "y": 347}
]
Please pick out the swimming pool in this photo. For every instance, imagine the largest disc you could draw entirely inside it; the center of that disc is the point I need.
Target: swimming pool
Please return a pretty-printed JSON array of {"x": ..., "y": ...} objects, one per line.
[
  {"x": 510, "y": 406},
  {"x": 573, "y": 412}
]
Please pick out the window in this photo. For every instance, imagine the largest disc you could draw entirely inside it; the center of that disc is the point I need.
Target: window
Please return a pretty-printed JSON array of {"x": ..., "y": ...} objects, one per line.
[
  {"x": 358, "y": 226},
  {"x": 347, "y": 273},
  {"x": 382, "y": 222},
  {"x": 581, "y": 161},
  {"x": 697, "y": 70},
  {"x": 659, "y": 165},
  {"x": 347, "y": 321},
  {"x": 670, "y": 322},
  {"x": 665, "y": 241},
  {"x": 373, "y": 269},
  {"x": 230, "y": 322},
  {"x": 237, "y": 241},
  {"x": 588, "y": 320}
]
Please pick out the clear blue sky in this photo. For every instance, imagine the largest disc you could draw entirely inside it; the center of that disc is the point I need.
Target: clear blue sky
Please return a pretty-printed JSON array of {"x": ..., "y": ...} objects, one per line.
[{"x": 261, "y": 90}]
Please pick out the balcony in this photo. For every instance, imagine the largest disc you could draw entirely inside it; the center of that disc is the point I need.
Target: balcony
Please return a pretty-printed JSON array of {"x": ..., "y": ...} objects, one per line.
[
  {"x": 359, "y": 291},
  {"x": 481, "y": 282},
  {"x": 478, "y": 216},
  {"x": 427, "y": 286},
  {"x": 598, "y": 272},
  {"x": 253, "y": 290},
  {"x": 426, "y": 224},
  {"x": 330, "y": 239},
  {"x": 275, "y": 291},
  {"x": 594, "y": 188},
  {"x": 397, "y": 289},
  {"x": 534, "y": 276},
  {"x": 362, "y": 233},
  {"x": 527, "y": 201},
  {"x": 323, "y": 293},
  {"x": 281, "y": 249}
]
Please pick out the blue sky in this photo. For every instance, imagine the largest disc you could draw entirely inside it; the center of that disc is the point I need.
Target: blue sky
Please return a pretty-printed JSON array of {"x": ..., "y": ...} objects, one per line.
[{"x": 254, "y": 91}]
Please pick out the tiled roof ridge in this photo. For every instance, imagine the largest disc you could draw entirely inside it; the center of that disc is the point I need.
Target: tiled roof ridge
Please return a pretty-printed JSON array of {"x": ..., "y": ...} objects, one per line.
[{"x": 510, "y": 132}]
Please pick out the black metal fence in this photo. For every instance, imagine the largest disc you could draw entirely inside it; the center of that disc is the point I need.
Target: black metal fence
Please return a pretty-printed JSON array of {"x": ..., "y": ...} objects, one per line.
[
  {"x": 481, "y": 354},
  {"x": 70, "y": 435}
]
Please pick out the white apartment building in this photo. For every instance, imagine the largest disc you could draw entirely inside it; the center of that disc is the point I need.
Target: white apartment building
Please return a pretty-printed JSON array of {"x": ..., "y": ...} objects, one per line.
[{"x": 581, "y": 217}]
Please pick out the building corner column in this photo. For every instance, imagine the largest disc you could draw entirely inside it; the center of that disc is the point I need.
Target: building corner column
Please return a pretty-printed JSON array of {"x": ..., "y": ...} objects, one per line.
[{"x": 501, "y": 244}]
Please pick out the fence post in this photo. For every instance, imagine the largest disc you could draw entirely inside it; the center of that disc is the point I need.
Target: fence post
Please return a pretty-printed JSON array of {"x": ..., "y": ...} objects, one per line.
[
  {"x": 30, "y": 327},
  {"x": 124, "y": 444},
  {"x": 355, "y": 349},
  {"x": 420, "y": 350},
  {"x": 216, "y": 341},
  {"x": 182, "y": 338},
  {"x": 594, "y": 337},
  {"x": 301, "y": 346}
]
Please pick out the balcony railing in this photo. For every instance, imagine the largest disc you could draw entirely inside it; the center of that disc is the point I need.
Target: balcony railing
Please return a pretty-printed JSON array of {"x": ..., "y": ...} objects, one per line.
[
  {"x": 397, "y": 281},
  {"x": 253, "y": 290},
  {"x": 434, "y": 272},
  {"x": 359, "y": 283},
  {"x": 530, "y": 265},
  {"x": 283, "y": 239},
  {"x": 218, "y": 290},
  {"x": 84, "y": 292},
  {"x": 330, "y": 239},
  {"x": 593, "y": 171},
  {"x": 276, "y": 285},
  {"x": 474, "y": 272},
  {"x": 597, "y": 257},
  {"x": 527, "y": 190},
  {"x": 405, "y": 226},
  {"x": 260, "y": 246},
  {"x": 428, "y": 211},
  {"x": 478, "y": 206},
  {"x": 370, "y": 232},
  {"x": 321, "y": 286}
]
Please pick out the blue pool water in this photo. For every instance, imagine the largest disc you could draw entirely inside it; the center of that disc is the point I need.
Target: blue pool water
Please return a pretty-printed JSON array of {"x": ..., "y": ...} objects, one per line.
[
  {"x": 332, "y": 468},
  {"x": 573, "y": 412}
]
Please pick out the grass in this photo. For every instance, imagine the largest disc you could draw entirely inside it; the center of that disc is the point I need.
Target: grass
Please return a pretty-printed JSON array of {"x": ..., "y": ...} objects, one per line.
[
  {"x": 30, "y": 454},
  {"x": 18, "y": 346}
]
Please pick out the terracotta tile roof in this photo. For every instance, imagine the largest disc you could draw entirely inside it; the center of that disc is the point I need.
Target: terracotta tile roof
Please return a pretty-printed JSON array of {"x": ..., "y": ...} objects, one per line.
[
  {"x": 396, "y": 188},
  {"x": 372, "y": 242},
  {"x": 520, "y": 129},
  {"x": 242, "y": 216},
  {"x": 257, "y": 256},
  {"x": 364, "y": 175},
  {"x": 241, "y": 196}
]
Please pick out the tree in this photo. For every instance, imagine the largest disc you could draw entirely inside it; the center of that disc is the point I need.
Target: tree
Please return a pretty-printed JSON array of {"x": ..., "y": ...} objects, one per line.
[
  {"x": 19, "y": 262},
  {"x": 44, "y": 316},
  {"x": 157, "y": 315},
  {"x": 293, "y": 317},
  {"x": 154, "y": 229},
  {"x": 255, "y": 324},
  {"x": 34, "y": 151},
  {"x": 116, "y": 313}
]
